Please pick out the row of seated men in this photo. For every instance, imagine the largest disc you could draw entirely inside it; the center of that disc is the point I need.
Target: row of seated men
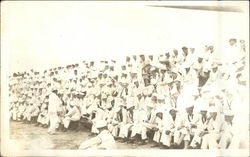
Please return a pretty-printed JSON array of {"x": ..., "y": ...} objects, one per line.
[{"x": 164, "y": 125}]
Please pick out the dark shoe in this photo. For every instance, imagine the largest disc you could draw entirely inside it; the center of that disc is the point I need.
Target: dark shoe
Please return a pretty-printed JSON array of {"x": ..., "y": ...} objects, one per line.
[
  {"x": 164, "y": 147},
  {"x": 92, "y": 134},
  {"x": 142, "y": 142},
  {"x": 190, "y": 147},
  {"x": 155, "y": 145},
  {"x": 64, "y": 129},
  {"x": 123, "y": 140},
  {"x": 131, "y": 141},
  {"x": 175, "y": 146}
]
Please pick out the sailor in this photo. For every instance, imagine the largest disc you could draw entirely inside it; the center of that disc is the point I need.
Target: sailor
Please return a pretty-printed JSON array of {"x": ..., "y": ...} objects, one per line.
[
  {"x": 184, "y": 126},
  {"x": 54, "y": 104},
  {"x": 43, "y": 117},
  {"x": 21, "y": 110},
  {"x": 142, "y": 118},
  {"x": 230, "y": 138},
  {"x": 157, "y": 127},
  {"x": 72, "y": 115},
  {"x": 211, "y": 136},
  {"x": 128, "y": 122},
  {"x": 170, "y": 128},
  {"x": 104, "y": 140},
  {"x": 199, "y": 124}
]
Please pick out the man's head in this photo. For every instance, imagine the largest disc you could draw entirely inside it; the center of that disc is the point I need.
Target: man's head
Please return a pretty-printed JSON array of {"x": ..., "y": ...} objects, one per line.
[
  {"x": 203, "y": 109},
  {"x": 173, "y": 112},
  {"x": 185, "y": 50},
  {"x": 150, "y": 57},
  {"x": 142, "y": 57},
  {"x": 189, "y": 109},
  {"x": 130, "y": 107},
  {"x": 127, "y": 59},
  {"x": 213, "y": 112},
  {"x": 150, "y": 106},
  {"x": 214, "y": 69},
  {"x": 232, "y": 42},
  {"x": 200, "y": 59},
  {"x": 203, "y": 113},
  {"x": 134, "y": 57},
  {"x": 159, "y": 115},
  {"x": 228, "y": 116},
  {"x": 154, "y": 98},
  {"x": 55, "y": 91},
  {"x": 175, "y": 52}
]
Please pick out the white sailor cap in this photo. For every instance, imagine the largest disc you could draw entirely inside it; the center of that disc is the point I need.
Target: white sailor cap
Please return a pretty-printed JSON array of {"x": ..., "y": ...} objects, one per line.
[
  {"x": 173, "y": 108},
  {"x": 151, "y": 105},
  {"x": 228, "y": 113},
  {"x": 212, "y": 109},
  {"x": 160, "y": 97},
  {"x": 189, "y": 104},
  {"x": 201, "y": 54},
  {"x": 203, "y": 107},
  {"x": 129, "y": 105}
]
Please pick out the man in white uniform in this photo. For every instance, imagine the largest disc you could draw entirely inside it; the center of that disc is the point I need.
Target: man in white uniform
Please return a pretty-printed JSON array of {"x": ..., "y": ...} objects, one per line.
[
  {"x": 104, "y": 140},
  {"x": 185, "y": 125},
  {"x": 230, "y": 138},
  {"x": 198, "y": 125},
  {"x": 211, "y": 136},
  {"x": 170, "y": 128},
  {"x": 54, "y": 104}
]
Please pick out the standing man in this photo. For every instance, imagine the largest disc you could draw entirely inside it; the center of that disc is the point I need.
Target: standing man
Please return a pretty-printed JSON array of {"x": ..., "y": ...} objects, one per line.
[{"x": 54, "y": 104}]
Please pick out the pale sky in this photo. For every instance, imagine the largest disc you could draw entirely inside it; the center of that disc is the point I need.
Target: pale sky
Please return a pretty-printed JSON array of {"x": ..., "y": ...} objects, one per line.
[{"x": 43, "y": 35}]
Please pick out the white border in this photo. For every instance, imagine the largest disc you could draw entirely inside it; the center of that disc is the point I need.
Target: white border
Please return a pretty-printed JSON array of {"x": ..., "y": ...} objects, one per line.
[{"x": 8, "y": 149}]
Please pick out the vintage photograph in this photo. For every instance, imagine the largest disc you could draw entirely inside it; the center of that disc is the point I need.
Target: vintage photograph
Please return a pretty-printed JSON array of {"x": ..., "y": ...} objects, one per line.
[{"x": 124, "y": 76}]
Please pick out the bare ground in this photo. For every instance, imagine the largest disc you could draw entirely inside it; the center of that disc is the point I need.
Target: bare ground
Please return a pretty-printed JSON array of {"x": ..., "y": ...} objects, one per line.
[{"x": 29, "y": 136}]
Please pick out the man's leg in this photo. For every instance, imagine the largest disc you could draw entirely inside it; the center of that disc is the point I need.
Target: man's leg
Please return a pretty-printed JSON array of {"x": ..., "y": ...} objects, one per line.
[
  {"x": 224, "y": 140},
  {"x": 235, "y": 142},
  {"x": 204, "y": 143}
]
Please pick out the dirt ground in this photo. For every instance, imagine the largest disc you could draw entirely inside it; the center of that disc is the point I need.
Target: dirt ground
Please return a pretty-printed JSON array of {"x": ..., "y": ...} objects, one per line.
[{"x": 29, "y": 136}]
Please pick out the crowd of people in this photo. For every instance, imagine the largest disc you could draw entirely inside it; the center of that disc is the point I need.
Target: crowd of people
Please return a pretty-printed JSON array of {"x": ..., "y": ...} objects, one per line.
[{"x": 184, "y": 98}]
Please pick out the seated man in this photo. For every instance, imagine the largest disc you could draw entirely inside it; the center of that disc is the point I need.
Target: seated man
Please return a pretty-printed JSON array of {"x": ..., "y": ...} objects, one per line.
[
  {"x": 170, "y": 129},
  {"x": 142, "y": 123},
  {"x": 127, "y": 124},
  {"x": 211, "y": 136},
  {"x": 104, "y": 140},
  {"x": 43, "y": 117},
  {"x": 32, "y": 111},
  {"x": 198, "y": 125},
  {"x": 157, "y": 126},
  {"x": 98, "y": 114},
  {"x": 184, "y": 127},
  {"x": 229, "y": 137},
  {"x": 21, "y": 110},
  {"x": 72, "y": 115},
  {"x": 117, "y": 118},
  {"x": 14, "y": 111}
]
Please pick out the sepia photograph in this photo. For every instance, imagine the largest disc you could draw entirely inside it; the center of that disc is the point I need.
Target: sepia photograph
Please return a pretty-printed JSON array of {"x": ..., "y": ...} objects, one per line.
[{"x": 143, "y": 78}]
